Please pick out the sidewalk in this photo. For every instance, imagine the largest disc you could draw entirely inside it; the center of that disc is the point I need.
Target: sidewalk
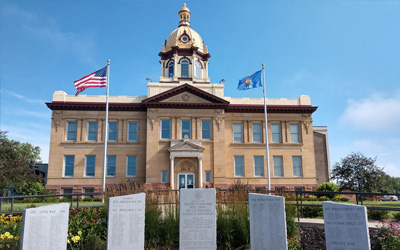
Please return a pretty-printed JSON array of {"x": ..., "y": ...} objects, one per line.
[{"x": 308, "y": 221}]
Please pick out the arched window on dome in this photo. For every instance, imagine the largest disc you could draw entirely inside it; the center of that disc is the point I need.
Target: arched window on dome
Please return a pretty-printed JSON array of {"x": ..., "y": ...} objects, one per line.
[
  {"x": 185, "y": 68},
  {"x": 198, "y": 69},
  {"x": 171, "y": 69}
]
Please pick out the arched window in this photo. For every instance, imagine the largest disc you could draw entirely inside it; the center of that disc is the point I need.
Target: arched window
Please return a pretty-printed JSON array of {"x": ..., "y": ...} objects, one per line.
[
  {"x": 171, "y": 69},
  {"x": 198, "y": 69},
  {"x": 184, "y": 68}
]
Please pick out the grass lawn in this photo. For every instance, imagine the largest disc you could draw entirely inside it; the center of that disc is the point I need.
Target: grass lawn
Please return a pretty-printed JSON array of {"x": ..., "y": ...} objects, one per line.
[{"x": 22, "y": 206}]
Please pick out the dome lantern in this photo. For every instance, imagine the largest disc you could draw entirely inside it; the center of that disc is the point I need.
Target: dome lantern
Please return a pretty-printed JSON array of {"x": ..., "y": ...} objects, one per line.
[{"x": 184, "y": 16}]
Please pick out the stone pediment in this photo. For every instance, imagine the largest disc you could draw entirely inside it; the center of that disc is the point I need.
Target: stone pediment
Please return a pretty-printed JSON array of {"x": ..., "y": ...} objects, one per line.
[
  {"x": 185, "y": 146},
  {"x": 185, "y": 96}
]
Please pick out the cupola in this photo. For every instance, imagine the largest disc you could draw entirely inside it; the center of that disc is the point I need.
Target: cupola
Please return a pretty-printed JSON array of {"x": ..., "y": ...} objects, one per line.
[{"x": 184, "y": 55}]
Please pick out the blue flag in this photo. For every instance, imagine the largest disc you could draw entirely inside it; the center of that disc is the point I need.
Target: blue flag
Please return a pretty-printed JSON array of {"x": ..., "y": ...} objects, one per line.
[{"x": 250, "y": 82}]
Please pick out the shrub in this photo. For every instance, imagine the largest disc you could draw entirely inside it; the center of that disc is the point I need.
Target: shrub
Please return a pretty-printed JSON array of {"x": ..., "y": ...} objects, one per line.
[
  {"x": 396, "y": 216},
  {"x": 323, "y": 198},
  {"x": 30, "y": 188},
  {"x": 291, "y": 226},
  {"x": 87, "y": 199},
  {"x": 311, "y": 198},
  {"x": 387, "y": 236},
  {"x": 377, "y": 214},
  {"x": 65, "y": 199},
  {"x": 51, "y": 199},
  {"x": 328, "y": 187},
  {"x": 312, "y": 212}
]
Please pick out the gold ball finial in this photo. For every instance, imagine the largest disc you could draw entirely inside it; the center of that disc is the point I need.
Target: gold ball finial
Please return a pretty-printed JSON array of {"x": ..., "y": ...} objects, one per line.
[
  {"x": 108, "y": 60},
  {"x": 262, "y": 64},
  {"x": 184, "y": 4}
]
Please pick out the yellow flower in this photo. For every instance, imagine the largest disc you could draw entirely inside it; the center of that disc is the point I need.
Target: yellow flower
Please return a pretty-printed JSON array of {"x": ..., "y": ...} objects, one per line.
[
  {"x": 79, "y": 232},
  {"x": 2, "y": 236},
  {"x": 68, "y": 241},
  {"x": 11, "y": 237},
  {"x": 16, "y": 237},
  {"x": 75, "y": 239},
  {"x": 6, "y": 234}
]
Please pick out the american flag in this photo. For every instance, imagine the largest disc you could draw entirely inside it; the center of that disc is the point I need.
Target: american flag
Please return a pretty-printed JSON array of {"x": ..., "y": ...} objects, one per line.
[{"x": 97, "y": 79}]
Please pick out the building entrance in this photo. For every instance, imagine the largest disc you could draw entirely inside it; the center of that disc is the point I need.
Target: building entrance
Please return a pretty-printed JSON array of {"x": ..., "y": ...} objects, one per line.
[{"x": 185, "y": 181}]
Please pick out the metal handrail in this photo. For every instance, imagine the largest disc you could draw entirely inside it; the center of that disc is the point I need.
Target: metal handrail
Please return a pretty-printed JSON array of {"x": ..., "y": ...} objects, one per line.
[{"x": 71, "y": 196}]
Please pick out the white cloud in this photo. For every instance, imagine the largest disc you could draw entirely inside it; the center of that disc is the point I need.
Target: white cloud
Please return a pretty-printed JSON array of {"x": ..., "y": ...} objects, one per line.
[
  {"x": 46, "y": 29},
  {"x": 21, "y": 97},
  {"x": 375, "y": 113},
  {"x": 300, "y": 77}
]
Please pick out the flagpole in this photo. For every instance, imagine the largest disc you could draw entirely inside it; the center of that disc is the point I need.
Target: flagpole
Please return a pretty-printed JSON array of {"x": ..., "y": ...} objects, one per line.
[
  {"x": 106, "y": 132},
  {"x": 266, "y": 132}
]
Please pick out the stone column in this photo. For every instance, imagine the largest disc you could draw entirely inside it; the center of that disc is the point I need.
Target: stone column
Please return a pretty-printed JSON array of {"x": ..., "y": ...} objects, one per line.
[
  {"x": 200, "y": 171},
  {"x": 171, "y": 173}
]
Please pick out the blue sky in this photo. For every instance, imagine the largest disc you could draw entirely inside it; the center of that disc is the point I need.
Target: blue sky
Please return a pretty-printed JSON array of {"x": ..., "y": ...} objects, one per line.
[{"x": 344, "y": 54}]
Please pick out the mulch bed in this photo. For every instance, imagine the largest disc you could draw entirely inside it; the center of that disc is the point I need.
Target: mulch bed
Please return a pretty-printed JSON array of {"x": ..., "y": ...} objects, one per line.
[{"x": 313, "y": 237}]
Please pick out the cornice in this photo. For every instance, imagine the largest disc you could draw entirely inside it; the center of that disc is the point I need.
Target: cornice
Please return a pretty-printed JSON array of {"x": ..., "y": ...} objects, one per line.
[
  {"x": 97, "y": 106},
  {"x": 248, "y": 108}
]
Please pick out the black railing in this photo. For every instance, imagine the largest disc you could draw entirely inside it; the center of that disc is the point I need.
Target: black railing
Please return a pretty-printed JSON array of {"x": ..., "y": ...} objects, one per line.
[
  {"x": 11, "y": 200},
  {"x": 359, "y": 197}
]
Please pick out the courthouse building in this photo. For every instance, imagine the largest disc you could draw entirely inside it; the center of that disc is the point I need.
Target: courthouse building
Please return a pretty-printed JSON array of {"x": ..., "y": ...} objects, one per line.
[{"x": 185, "y": 133}]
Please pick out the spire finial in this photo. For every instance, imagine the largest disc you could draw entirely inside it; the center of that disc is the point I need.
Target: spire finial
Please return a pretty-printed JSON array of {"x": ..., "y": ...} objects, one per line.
[{"x": 184, "y": 16}]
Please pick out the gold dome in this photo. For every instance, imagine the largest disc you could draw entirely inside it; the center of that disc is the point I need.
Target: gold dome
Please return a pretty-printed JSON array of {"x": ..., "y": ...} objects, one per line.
[{"x": 184, "y": 36}]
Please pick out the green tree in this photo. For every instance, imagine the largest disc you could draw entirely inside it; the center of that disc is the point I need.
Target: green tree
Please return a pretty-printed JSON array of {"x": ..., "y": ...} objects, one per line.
[
  {"x": 359, "y": 173},
  {"x": 328, "y": 187},
  {"x": 392, "y": 184},
  {"x": 16, "y": 160}
]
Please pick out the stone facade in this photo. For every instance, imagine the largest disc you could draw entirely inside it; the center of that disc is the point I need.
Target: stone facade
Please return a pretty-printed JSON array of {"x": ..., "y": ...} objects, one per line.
[{"x": 184, "y": 133}]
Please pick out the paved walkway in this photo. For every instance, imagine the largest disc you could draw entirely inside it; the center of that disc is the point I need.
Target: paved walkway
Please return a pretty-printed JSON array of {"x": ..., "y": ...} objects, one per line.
[{"x": 307, "y": 221}]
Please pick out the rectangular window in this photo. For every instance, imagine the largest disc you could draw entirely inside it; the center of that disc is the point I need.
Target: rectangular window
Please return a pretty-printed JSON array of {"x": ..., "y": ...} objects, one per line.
[
  {"x": 165, "y": 129},
  {"x": 71, "y": 131},
  {"x": 257, "y": 132},
  {"x": 90, "y": 165},
  {"x": 69, "y": 165},
  {"x": 66, "y": 191},
  {"x": 164, "y": 176},
  {"x": 297, "y": 166},
  {"x": 186, "y": 128},
  {"x": 206, "y": 130},
  {"x": 88, "y": 190},
  {"x": 237, "y": 132},
  {"x": 276, "y": 132},
  {"x": 111, "y": 163},
  {"x": 112, "y": 131},
  {"x": 294, "y": 133},
  {"x": 131, "y": 166},
  {"x": 92, "y": 131},
  {"x": 208, "y": 176},
  {"x": 132, "y": 131},
  {"x": 239, "y": 166},
  {"x": 278, "y": 166},
  {"x": 258, "y": 166}
]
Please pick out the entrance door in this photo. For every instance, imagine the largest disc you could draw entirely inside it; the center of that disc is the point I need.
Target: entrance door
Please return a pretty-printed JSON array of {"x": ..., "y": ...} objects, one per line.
[{"x": 186, "y": 181}]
